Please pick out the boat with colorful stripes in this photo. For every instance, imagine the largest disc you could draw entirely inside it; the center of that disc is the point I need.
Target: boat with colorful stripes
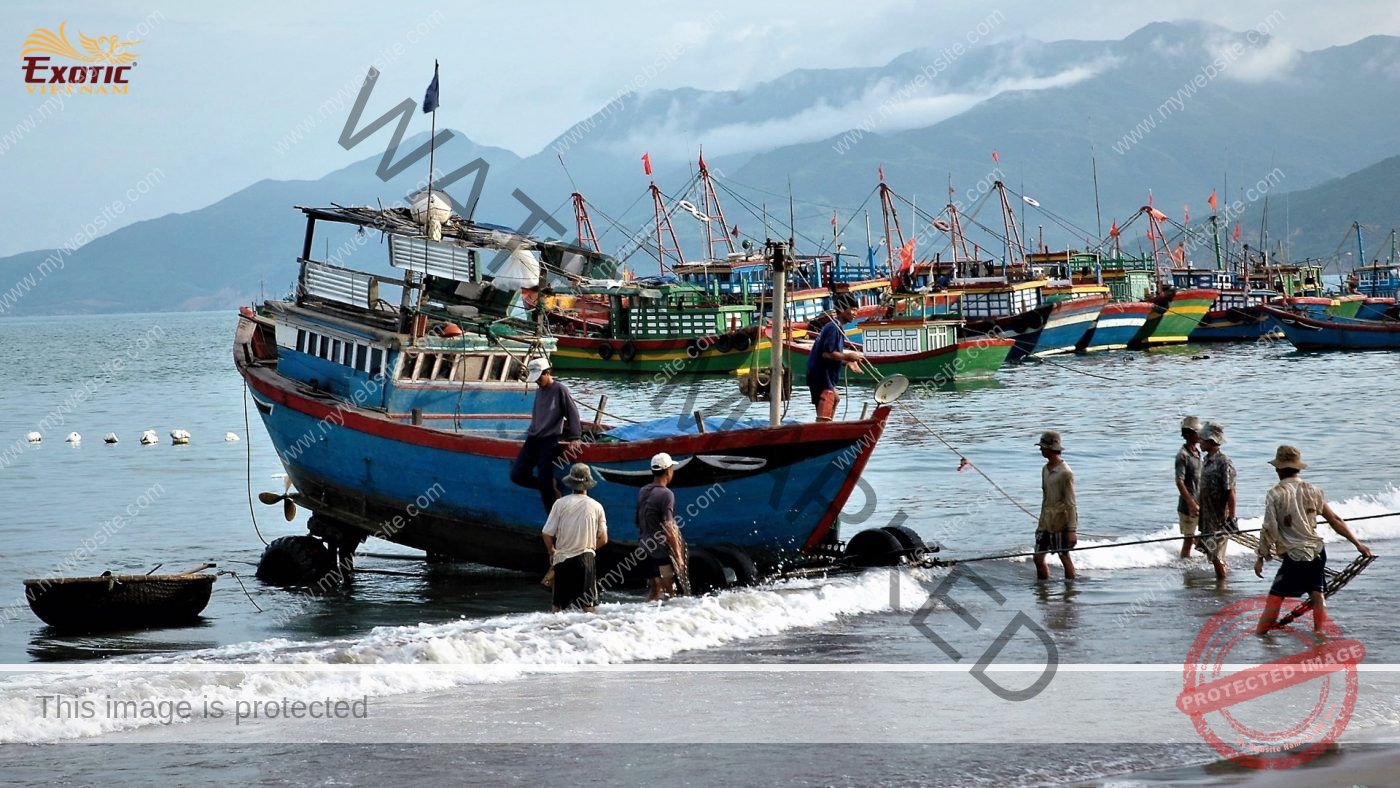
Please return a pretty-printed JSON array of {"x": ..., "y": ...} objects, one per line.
[{"x": 1336, "y": 333}]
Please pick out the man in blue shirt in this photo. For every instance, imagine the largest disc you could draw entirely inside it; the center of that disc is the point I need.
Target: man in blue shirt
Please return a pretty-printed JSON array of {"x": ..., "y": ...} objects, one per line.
[
  {"x": 829, "y": 355},
  {"x": 554, "y": 423}
]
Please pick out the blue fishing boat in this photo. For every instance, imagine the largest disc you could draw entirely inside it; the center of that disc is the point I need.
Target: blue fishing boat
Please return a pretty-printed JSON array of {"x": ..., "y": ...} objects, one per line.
[
  {"x": 1336, "y": 333},
  {"x": 401, "y": 420}
]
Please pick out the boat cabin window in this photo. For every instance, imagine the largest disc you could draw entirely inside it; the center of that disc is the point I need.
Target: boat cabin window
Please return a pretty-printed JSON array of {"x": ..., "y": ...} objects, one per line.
[
  {"x": 470, "y": 368},
  {"x": 301, "y": 340},
  {"x": 325, "y": 347},
  {"x": 376, "y": 362},
  {"x": 444, "y": 368},
  {"x": 498, "y": 367},
  {"x": 361, "y": 353}
]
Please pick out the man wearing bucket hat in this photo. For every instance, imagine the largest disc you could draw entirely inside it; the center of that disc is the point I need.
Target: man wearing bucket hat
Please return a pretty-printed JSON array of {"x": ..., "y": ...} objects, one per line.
[
  {"x": 1291, "y": 510},
  {"x": 554, "y": 423},
  {"x": 1217, "y": 497},
  {"x": 658, "y": 537},
  {"x": 576, "y": 528},
  {"x": 1058, "y": 526},
  {"x": 829, "y": 355},
  {"x": 1188, "y": 482}
]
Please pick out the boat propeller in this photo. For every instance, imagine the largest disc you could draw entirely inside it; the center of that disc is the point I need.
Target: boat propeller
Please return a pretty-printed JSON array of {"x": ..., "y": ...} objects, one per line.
[{"x": 289, "y": 507}]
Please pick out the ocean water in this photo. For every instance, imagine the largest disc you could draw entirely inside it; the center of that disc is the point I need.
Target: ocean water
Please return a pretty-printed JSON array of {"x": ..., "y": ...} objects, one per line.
[{"x": 844, "y": 680}]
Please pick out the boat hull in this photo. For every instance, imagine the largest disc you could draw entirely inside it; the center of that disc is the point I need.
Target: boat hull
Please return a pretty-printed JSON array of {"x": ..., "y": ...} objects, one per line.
[
  {"x": 1174, "y": 316},
  {"x": 1247, "y": 324},
  {"x": 970, "y": 359},
  {"x": 1116, "y": 326},
  {"x": 774, "y": 491},
  {"x": 703, "y": 355},
  {"x": 1309, "y": 333},
  {"x": 1047, "y": 330}
]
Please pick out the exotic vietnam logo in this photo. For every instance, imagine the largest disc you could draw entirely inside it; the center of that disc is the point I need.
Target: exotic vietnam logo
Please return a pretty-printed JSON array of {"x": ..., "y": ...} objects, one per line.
[{"x": 104, "y": 62}]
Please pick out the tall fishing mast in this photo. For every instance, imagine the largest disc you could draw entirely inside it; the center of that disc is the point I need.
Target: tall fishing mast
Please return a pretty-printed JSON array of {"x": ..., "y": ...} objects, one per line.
[
  {"x": 587, "y": 238},
  {"x": 709, "y": 206}
]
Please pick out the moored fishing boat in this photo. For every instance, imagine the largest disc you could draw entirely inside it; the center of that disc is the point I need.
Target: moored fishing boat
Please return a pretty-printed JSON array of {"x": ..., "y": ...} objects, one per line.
[
  {"x": 439, "y": 480},
  {"x": 923, "y": 340},
  {"x": 1336, "y": 333},
  {"x": 1128, "y": 279}
]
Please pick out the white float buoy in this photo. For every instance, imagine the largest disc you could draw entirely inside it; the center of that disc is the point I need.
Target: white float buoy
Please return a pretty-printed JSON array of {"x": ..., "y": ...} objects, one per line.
[
  {"x": 231, "y": 437},
  {"x": 34, "y": 437},
  {"x": 149, "y": 437},
  {"x": 179, "y": 437},
  {"x": 110, "y": 437},
  {"x": 74, "y": 437}
]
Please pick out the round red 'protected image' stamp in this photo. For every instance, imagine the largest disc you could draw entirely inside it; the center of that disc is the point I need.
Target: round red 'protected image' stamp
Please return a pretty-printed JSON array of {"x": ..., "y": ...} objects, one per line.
[{"x": 1275, "y": 715}]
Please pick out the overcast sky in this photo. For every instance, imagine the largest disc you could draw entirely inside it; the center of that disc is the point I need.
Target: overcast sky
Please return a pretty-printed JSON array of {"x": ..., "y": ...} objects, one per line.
[{"x": 218, "y": 86}]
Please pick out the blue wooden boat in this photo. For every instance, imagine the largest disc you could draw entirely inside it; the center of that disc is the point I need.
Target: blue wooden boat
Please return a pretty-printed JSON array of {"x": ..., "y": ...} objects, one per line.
[
  {"x": 401, "y": 422},
  {"x": 1336, "y": 333}
]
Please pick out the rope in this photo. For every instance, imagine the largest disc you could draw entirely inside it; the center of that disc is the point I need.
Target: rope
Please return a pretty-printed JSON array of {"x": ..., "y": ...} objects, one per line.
[
  {"x": 248, "y": 469},
  {"x": 970, "y": 464},
  {"x": 235, "y": 576},
  {"x": 1072, "y": 369},
  {"x": 939, "y": 562}
]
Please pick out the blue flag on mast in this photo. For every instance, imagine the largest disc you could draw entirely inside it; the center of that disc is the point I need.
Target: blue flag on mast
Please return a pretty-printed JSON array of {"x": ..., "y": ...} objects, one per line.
[{"x": 430, "y": 99}]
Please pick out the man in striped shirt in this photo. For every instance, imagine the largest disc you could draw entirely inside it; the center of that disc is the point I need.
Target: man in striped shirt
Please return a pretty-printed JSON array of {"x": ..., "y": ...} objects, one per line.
[{"x": 1291, "y": 510}]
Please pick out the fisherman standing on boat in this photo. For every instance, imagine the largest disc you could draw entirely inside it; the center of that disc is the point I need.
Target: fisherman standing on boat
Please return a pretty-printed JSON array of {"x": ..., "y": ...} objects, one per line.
[
  {"x": 1188, "y": 482},
  {"x": 576, "y": 528},
  {"x": 1057, "y": 530},
  {"x": 1217, "y": 498},
  {"x": 553, "y": 423},
  {"x": 657, "y": 532},
  {"x": 829, "y": 355},
  {"x": 1291, "y": 510}
]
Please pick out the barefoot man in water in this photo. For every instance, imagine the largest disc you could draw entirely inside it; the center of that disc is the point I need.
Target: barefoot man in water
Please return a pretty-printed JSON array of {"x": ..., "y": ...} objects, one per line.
[
  {"x": 1291, "y": 510},
  {"x": 1057, "y": 530}
]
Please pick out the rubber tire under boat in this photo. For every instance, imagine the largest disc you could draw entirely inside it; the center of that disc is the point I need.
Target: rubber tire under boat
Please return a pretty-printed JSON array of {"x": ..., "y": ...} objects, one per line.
[
  {"x": 628, "y": 352},
  {"x": 874, "y": 547},
  {"x": 605, "y": 351},
  {"x": 706, "y": 572},
  {"x": 906, "y": 536},
  {"x": 734, "y": 558},
  {"x": 295, "y": 561},
  {"x": 741, "y": 341}
]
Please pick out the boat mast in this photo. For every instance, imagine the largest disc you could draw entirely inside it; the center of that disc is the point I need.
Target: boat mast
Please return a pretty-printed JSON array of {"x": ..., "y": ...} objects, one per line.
[
  {"x": 1360, "y": 249},
  {"x": 1013, "y": 233},
  {"x": 892, "y": 229},
  {"x": 777, "y": 254},
  {"x": 586, "y": 236},
  {"x": 664, "y": 229},
  {"x": 709, "y": 206}
]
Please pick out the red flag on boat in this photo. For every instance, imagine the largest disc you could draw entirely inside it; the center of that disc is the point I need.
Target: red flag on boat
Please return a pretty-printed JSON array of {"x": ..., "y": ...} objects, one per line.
[
  {"x": 906, "y": 255},
  {"x": 1113, "y": 231},
  {"x": 1151, "y": 236},
  {"x": 1179, "y": 255},
  {"x": 1158, "y": 215},
  {"x": 995, "y": 158},
  {"x": 833, "y": 221},
  {"x": 882, "y": 173},
  {"x": 735, "y": 231},
  {"x": 1185, "y": 214},
  {"x": 702, "y": 160},
  {"x": 646, "y": 163},
  {"x": 1237, "y": 232},
  {"x": 1213, "y": 202}
]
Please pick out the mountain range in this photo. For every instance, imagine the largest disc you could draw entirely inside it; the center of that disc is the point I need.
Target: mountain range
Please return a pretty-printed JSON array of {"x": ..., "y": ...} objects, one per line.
[{"x": 1174, "y": 110}]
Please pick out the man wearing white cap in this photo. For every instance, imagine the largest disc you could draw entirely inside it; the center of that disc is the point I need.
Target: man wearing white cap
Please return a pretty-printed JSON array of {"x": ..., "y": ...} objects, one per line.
[
  {"x": 576, "y": 528},
  {"x": 553, "y": 422},
  {"x": 1291, "y": 510},
  {"x": 658, "y": 537},
  {"x": 1217, "y": 497},
  {"x": 1188, "y": 482}
]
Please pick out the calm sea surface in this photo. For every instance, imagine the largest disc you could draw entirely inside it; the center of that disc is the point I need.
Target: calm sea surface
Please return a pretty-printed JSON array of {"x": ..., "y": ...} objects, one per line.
[{"x": 697, "y": 688}]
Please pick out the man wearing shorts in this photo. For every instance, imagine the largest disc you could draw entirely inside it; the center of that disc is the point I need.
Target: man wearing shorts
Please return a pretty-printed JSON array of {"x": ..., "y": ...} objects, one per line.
[
  {"x": 1057, "y": 529},
  {"x": 829, "y": 355},
  {"x": 1188, "y": 482},
  {"x": 1291, "y": 510},
  {"x": 576, "y": 528},
  {"x": 657, "y": 537},
  {"x": 1217, "y": 497}
]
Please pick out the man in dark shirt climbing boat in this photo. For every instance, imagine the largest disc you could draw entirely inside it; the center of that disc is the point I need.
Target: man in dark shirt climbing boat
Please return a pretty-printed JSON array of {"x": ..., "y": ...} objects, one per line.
[
  {"x": 554, "y": 430},
  {"x": 829, "y": 355},
  {"x": 1188, "y": 482},
  {"x": 1058, "y": 527},
  {"x": 1291, "y": 510}
]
